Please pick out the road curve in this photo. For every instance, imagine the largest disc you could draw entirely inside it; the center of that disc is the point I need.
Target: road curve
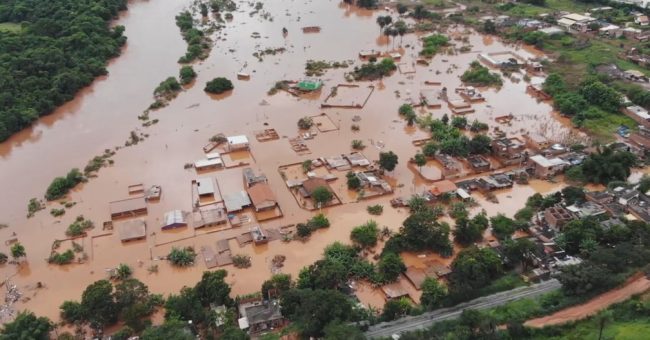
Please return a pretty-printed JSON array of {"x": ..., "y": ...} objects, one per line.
[{"x": 409, "y": 323}]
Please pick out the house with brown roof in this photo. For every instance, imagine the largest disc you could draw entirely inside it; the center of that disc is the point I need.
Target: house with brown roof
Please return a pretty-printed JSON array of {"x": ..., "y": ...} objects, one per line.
[
  {"x": 262, "y": 196},
  {"x": 309, "y": 185},
  {"x": 443, "y": 187}
]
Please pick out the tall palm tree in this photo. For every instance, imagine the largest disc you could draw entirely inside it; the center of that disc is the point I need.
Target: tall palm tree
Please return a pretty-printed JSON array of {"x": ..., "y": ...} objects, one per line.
[{"x": 401, "y": 28}]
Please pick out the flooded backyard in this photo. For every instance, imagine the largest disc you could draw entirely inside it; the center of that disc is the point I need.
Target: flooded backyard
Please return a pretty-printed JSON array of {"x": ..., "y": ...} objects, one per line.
[{"x": 101, "y": 117}]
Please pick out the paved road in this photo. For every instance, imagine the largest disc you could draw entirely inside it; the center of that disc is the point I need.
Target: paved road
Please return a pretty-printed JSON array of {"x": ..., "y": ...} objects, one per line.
[{"x": 409, "y": 323}]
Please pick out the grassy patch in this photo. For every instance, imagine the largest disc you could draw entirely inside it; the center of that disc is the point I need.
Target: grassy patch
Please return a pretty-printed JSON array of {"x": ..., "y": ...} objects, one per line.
[
  {"x": 507, "y": 282},
  {"x": 10, "y": 27},
  {"x": 605, "y": 127}
]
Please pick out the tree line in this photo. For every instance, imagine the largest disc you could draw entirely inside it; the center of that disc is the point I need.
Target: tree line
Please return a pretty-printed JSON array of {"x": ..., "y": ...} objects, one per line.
[{"x": 61, "y": 47}]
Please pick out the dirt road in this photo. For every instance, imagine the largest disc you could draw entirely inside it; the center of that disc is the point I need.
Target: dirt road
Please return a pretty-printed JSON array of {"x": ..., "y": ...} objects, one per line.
[{"x": 635, "y": 285}]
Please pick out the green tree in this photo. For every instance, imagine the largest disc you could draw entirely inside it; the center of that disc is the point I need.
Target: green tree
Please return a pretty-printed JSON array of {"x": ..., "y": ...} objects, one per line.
[
  {"x": 569, "y": 103},
  {"x": 72, "y": 312},
  {"x": 607, "y": 165},
  {"x": 187, "y": 74},
  {"x": 429, "y": 149},
  {"x": 519, "y": 251},
  {"x": 279, "y": 283},
  {"x": 182, "y": 257},
  {"x": 480, "y": 145},
  {"x": 218, "y": 85},
  {"x": 459, "y": 122},
  {"x": 212, "y": 289},
  {"x": 322, "y": 195},
  {"x": 390, "y": 266},
  {"x": 573, "y": 195},
  {"x": 124, "y": 271},
  {"x": 26, "y": 326},
  {"x": 338, "y": 330},
  {"x": 433, "y": 293},
  {"x": 420, "y": 160},
  {"x": 388, "y": 160},
  {"x": 502, "y": 227},
  {"x": 312, "y": 310},
  {"x": 18, "y": 250},
  {"x": 365, "y": 235},
  {"x": 354, "y": 183},
  {"x": 383, "y": 21},
  {"x": 185, "y": 306},
  {"x": 396, "y": 308},
  {"x": 602, "y": 96},
  {"x": 473, "y": 269},
  {"x": 467, "y": 232},
  {"x": 489, "y": 27},
  {"x": 171, "y": 329},
  {"x": 554, "y": 84},
  {"x": 99, "y": 305}
]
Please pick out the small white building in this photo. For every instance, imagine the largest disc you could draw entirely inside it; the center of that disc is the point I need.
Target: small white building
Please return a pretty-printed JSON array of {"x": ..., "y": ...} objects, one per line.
[{"x": 238, "y": 143}]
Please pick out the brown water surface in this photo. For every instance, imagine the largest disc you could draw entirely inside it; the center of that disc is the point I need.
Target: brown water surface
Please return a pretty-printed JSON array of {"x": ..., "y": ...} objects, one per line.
[{"x": 102, "y": 115}]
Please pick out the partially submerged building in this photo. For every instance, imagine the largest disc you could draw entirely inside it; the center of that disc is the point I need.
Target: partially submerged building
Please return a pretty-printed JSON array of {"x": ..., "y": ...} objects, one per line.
[
  {"x": 250, "y": 178},
  {"x": 261, "y": 315},
  {"x": 174, "y": 219},
  {"x": 542, "y": 167},
  {"x": 132, "y": 230},
  {"x": 236, "y": 201},
  {"x": 509, "y": 151},
  {"x": 128, "y": 207},
  {"x": 237, "y": 143},
  {"x": 262, "y": 197}
]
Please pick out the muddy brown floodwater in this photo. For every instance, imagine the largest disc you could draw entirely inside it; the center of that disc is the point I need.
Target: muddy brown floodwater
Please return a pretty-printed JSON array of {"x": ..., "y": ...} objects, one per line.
[{"x": 102, "y": 115}]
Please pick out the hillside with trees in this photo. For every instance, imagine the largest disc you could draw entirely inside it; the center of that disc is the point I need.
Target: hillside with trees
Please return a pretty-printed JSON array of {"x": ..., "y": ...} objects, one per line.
[{"x": 62, "y": 45}]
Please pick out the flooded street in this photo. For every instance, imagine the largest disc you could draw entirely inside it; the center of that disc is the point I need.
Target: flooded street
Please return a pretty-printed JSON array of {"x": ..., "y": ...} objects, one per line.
[{"x": 102, "y": 116}]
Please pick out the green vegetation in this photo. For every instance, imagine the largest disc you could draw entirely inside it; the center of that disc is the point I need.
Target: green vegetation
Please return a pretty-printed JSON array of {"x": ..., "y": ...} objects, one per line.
[
  {"x": 431, "y": 45},
  {"x": 34, "y": 206},
  {"x": 354, "y": 183},
  {"x": 241, "y": 261},
  {"x": 374, "y": 70},
  {"x": 479, "y": 75},
  {"x": 388, "y": 160},
  {"x": 376, "y": 209},
  {"x": 186, "y": 74},
  {"x": 3, "y": 258},
  {"x": 448, "y": 139},
  {"x": 182, "y": 257},
  {"x": 317, "y": 68},
  {"x": 198, "y": 44},
  {"x": 304, "y": 230},
  {"x": 60, "y": 186},
  {"x": 218, "y": 86},
  {"x": 27, "y": 326},
  {"x": 66, "y": 44},
  {"x": 421, "y": 231},
  {"x": 18, "y": 251},
  {"x": 61, "y": 258},
  {"x": 468, "y": 231},
  {"x": 123, "y": 271},
  {"x": 321, "y": 196},
  {"x": 366, "y": 235},
  {"x": 406, "y": 111},
  {"x": 603, "y": 166},
  {"x": 358, "y": 144},
  {"x": 167, "y": 89},
  {"x": 305, "y": 123},
  {"x": 79, "y": 226}
]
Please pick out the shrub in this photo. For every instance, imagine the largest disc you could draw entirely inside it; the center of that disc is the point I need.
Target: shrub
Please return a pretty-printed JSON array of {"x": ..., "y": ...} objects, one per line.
[
  {"x": 480, "y": 75},
  {"x": 218, "y": 85},
  {"x": 57, "y": 212},
  {"x": 182, "y": 257},
  {"x": 358, "y": 144},
  {"x": 61, "y": 258},
  {"x": 167, "y": 87},
  {"x": 305, "y": 123},
  {"x": 241, "y": 261},
  {"x": 79, "y": 226},
  {"x": 376, "y": 209},
  {"x": 365, "y": 235},
  {"x": 319, "y": 221},
  {"x": 354, "y": 183},
  {"x": 187, "y": 74}
]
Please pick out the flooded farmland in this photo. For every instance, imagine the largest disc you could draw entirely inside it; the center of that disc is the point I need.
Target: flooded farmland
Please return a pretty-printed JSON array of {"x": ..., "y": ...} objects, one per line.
[{"x": 102, "y": 115}]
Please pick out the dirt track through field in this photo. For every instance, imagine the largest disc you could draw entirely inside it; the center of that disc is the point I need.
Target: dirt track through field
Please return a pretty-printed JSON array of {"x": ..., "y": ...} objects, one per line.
[{"x": 635, "y": 285}]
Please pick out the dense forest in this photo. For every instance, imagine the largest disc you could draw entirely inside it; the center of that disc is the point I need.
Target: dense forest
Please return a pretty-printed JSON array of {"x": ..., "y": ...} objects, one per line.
[{"x": 60, "y": 47}]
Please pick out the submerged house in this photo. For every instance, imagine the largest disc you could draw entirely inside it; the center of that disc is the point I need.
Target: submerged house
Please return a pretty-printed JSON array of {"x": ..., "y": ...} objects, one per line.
[
  {"x": 258, "y": 316},
  {"x": 174, "y": 219},
  {"x": 262, "y": 197}
]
